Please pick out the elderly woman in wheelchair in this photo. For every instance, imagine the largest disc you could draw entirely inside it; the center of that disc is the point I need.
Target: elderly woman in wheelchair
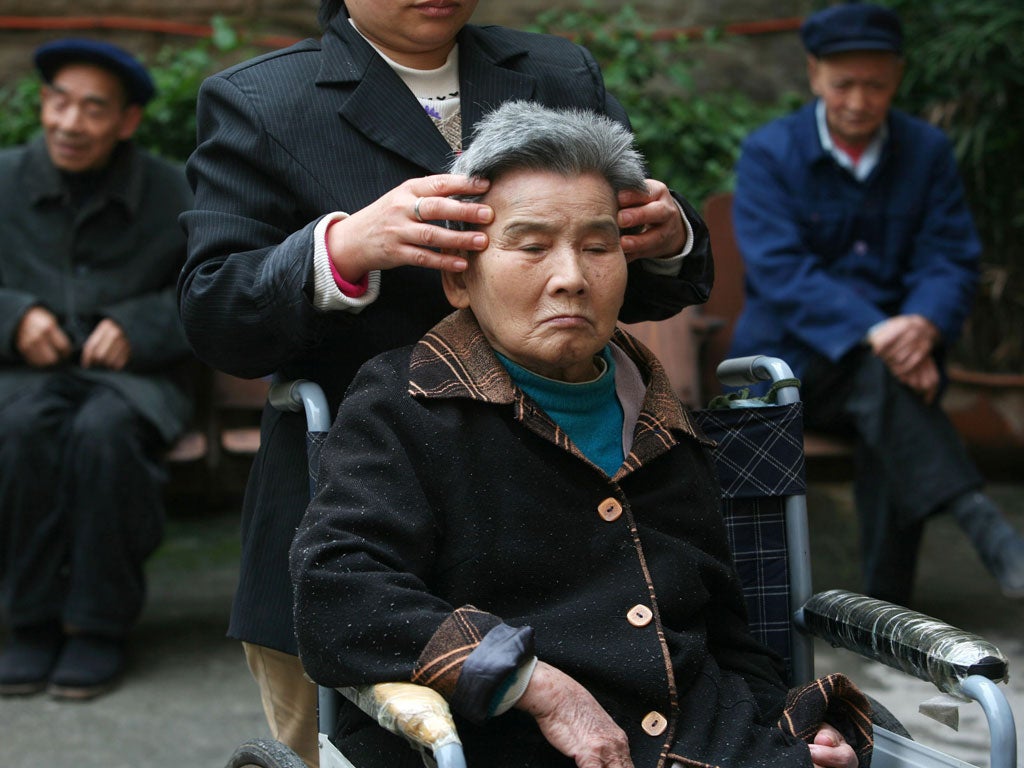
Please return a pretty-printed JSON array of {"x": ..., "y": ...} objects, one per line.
[{"x": 518, "y": 513}]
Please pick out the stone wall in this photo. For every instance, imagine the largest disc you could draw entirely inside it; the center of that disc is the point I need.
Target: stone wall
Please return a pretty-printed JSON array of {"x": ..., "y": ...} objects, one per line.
[{"x": 763, "y": 64}]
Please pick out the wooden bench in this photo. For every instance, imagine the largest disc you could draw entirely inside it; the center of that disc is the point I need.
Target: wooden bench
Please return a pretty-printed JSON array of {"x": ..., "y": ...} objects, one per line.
[{"x": 212, "y": 458}]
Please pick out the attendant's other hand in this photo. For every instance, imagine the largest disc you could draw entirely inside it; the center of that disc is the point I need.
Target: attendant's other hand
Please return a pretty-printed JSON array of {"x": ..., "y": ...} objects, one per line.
[
  {"x": 40, "y": 340},
  {"x": 106, "y": 347},
  {"x": 903, "y": 342},
  {"x": 573, "y": 722},
  {"x": 657, "y": 219},
  {"x": 830, "y": 750},
  {"x": 395, "y": 229}
]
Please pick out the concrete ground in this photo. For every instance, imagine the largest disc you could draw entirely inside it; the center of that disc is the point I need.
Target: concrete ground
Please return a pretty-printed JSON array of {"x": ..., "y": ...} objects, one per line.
[
  {"x": 952, "y": 586},
  {"x": 189, "y": 700}
]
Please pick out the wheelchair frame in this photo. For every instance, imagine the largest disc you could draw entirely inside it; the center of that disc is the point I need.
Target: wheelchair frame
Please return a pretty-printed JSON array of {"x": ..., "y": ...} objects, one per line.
[{"x": 956, "y": 662}]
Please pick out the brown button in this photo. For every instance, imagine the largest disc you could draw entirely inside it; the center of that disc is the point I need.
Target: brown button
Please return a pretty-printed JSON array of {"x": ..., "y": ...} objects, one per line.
[
  {"x": 654, "y": 724},
  {"x": 610, "y": 510},
  {"x": 640, "y": 615}
]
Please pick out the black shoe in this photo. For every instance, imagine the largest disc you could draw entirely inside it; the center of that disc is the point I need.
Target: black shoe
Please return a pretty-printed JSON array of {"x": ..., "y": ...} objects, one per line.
[
  {"x": 998, "y": 544},
  {"x": 1008, "y": 567},
  {"x": 29, "y": 658},
  {"x": 89, "y": 666}
]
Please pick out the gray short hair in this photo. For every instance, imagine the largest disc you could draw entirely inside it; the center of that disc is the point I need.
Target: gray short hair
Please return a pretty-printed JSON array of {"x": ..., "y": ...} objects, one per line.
[{"x": 522, "y": 135}]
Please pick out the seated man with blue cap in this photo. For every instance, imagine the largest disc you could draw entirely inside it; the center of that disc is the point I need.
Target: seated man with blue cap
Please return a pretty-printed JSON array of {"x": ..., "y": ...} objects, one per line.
[
  {"x": 861, "y": 266},
  {"x": 93, "y": 366}
]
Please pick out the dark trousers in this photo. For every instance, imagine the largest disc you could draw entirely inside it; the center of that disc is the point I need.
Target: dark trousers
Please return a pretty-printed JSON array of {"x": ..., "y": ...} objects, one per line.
[
  {"x": 80, "y": 506},
  {"x": 910, "y": 462}
]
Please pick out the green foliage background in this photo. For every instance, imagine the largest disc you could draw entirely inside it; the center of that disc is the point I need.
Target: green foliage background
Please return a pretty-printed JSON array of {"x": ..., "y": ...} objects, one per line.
[
  {"x": 965, "y": 73},
  {"x": 691, "y": 139},
  {"x": 966, "y": 76},
  {"x": 169, "y": 127}
]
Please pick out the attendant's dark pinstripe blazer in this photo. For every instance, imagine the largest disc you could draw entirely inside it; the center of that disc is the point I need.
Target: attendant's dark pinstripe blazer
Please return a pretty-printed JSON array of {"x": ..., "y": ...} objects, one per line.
[{"x": 327, "y": 126}]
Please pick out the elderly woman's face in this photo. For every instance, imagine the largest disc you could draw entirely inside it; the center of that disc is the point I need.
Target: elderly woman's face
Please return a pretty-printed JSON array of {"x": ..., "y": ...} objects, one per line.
[{"x": 548, "y": 288}]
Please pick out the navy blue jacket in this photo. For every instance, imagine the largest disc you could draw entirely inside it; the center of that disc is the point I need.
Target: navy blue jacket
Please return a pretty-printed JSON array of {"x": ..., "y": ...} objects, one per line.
[{"x": 828, "y": 256}]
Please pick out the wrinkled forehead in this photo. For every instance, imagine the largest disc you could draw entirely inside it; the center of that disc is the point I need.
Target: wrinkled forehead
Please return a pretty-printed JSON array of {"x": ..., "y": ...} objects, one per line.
[{"x": 524, "y": 187}]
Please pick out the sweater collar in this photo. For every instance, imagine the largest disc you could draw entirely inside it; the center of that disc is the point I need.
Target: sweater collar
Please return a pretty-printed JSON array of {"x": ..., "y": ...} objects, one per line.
[
  {"x": 122, "y": 182},
  {"x": 861, "y": 169},
  {"x": 454, "y": 360},
  {"x": 373, "y": 100},
  {"x": 809, "y": 145}
]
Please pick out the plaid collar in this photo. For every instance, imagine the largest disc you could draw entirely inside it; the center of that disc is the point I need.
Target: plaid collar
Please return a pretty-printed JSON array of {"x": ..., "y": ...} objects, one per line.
[{"x": 454, "y": 360}]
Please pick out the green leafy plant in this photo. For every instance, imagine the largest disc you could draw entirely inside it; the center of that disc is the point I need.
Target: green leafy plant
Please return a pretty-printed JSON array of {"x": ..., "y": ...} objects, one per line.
[
  {"x": 967, "y": 77},
  {"x": 169, "y": 127},
  {"x": 20, "y": 119},
  {"x": 691, "y": 139}
]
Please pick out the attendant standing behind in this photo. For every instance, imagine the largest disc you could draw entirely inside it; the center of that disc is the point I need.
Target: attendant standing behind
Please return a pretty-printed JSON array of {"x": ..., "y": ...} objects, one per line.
[{"x": 316, "y": 242}]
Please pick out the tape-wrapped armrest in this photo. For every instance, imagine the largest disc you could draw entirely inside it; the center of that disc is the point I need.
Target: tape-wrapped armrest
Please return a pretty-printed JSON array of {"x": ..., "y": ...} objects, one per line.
[
  {"x": 912, "y": 642},
  {"x": 416, "y": 712}
]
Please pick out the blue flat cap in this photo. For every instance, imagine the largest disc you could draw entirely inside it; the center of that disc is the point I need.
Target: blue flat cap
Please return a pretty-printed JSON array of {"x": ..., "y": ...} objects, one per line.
[
  {"x": 852, "y": 27},
  {"x": 51, "y": 56}
]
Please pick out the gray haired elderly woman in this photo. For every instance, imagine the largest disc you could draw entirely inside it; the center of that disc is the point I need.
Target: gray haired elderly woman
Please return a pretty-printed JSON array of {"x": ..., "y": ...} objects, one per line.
[{"x": 519, "y": 513}]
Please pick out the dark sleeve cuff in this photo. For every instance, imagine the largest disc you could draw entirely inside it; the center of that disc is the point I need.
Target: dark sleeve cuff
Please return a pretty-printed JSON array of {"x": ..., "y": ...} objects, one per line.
[
  {"x": 835, "y": 700},
  {"x": 488, "y": 667},
  {"x": 468, "y": 659}
]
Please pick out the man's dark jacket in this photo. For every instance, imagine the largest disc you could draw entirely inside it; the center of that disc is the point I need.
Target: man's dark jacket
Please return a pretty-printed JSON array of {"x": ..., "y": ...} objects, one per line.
[
  {"x": 328, "y": 126},
  {"x": 117, "y": 257}
]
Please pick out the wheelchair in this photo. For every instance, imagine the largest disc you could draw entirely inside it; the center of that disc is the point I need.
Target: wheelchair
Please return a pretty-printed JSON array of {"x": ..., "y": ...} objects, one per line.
[{"x": 760, "y": 463}]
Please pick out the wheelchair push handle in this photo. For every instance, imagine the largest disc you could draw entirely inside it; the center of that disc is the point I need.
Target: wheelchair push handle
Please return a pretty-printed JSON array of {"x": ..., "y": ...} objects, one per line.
[
  {"x": 299, "y": 395},
  {"x": 744, "y": 371},
  {"x": 739, "y": 371}
]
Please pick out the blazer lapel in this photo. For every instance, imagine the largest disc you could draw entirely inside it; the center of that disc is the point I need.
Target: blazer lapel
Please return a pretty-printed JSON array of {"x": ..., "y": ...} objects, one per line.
[
  {"x": 380, "y": 106},
  {"x": 484, "y": 79}
]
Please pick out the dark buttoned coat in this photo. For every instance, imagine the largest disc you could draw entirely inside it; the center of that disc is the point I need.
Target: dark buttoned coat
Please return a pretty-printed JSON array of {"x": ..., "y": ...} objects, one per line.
[
  {"x": 450, "y": 504},
  {"x": 328, "y": 126},
  {"x": 117, "y": 257}
]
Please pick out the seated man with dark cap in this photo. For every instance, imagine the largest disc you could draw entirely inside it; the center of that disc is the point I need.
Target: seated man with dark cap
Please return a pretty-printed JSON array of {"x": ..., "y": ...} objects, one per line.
[
  {"x": 91, "y": 375},
  {"x": 861, "y": 266}
]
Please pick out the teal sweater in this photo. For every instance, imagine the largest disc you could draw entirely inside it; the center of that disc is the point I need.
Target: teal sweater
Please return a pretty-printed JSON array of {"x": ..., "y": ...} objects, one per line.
[{"x": 588, "y": 412}]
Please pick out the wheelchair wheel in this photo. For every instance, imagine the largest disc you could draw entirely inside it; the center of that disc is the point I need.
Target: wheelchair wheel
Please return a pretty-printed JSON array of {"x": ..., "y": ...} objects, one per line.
[{"x": 264, "y": 753}]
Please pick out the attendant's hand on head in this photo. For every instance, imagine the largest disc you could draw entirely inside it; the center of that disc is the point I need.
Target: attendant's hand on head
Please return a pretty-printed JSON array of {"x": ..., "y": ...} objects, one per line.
[
  {"x": 573, "y": 722},
  {"x": 396, "y": 230},
  {"x": 106, "y": 347},
  {"x": 903, "y": 342},
  {"x": 40, "y": 340},
  {"x": 830, "y": 750},
  {"x": 656, "y": 218}
]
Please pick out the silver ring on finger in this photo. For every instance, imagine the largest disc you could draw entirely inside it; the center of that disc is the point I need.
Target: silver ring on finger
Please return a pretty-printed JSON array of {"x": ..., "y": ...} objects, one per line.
[{"x": 416, "y": 209}]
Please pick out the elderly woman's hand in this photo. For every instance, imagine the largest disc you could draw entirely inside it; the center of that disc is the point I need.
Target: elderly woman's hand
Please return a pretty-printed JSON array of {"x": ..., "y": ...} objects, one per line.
[
  {"x": 830, "y": 749},
  {"x": 657, "y": 219},
  {"x": 396, "y": 230},
  {"x": 573, "y": 722}
]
